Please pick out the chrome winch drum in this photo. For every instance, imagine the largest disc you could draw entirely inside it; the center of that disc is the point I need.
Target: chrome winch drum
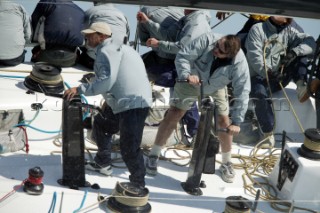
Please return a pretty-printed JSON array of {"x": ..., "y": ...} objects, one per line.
[
  {"x": 130, "y": 198},
  {"x": 44, "y": 75},
  {"x": 311, "y": 146}
]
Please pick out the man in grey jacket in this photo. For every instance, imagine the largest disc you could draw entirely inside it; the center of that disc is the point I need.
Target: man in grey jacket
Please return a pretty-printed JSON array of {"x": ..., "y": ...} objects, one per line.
[
  {"x": 122, "y": 80},
  {"x": 108, "y": 13},
  {"x": 159, "y": 64},
  {"x": 217, "y": 62},
  {"x": 190, "y": 26},
  {"x": 277, "y": 52},
  {"x": 15, "y": 30}
]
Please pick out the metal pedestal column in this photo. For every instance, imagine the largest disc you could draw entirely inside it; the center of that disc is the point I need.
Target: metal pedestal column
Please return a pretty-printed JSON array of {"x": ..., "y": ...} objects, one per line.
[
  {"x": 73, "y": 145},
  {"x": 199, "y": 157}
]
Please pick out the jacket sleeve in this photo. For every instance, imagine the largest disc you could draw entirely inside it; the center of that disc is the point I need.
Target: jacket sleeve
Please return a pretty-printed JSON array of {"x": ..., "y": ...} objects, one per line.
[
  {"x": 167, "y": 34},
  {"x": 241, "y": 89},
  {"x": 106, "y": 69},
  {"x": 305, "y": 44},
  {"x": 188, "y": 55},
  {"x": 186, "y": 36},
  {"x": 143, "y": 33},
  {"x": 192, "y": 28},
  {"x": 43, "y": 8},
  {"x": 26, "y": 26},
  {"x": 254, "y": 45}
]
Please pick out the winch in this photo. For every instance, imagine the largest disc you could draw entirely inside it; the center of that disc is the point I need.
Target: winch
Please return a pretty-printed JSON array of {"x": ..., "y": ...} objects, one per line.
[
  {"x": 311, "y": 146},
  {"x": 33, "y": 184},
  {"x": 297, "y": 173},
  {"x": 130, "y": 198},
  {"x": 46, "y": 75}
]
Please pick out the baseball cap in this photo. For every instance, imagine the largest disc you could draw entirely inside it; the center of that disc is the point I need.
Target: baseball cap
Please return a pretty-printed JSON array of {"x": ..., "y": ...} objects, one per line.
[{"x": 100, "y": 27}]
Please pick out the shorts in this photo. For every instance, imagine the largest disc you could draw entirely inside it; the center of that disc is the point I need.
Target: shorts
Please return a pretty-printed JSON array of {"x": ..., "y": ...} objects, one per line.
[{"x": 184, "y": 95}]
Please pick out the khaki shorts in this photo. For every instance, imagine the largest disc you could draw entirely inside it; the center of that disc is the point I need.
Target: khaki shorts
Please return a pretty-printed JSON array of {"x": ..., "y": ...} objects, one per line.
[{"x": 184, "y": 95}]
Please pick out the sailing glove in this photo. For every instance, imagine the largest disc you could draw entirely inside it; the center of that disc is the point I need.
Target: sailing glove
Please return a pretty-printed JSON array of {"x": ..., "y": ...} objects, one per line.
[{"x": 287, "y": 60}]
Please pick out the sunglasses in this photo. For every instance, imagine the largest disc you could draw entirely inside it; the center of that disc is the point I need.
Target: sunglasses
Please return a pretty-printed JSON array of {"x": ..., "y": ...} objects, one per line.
[{"x": 219, "y": 49}]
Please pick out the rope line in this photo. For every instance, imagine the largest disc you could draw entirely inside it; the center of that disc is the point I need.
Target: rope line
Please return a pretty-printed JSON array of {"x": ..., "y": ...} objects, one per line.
[
  {"x": 53, "y": 202},
  {"x": 82, "y": 202}
]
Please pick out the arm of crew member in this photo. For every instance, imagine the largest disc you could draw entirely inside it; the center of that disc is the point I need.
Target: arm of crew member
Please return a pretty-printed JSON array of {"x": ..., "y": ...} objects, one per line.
[
  {"x": 70, "y": 93},
  {"x": 233, "y": 129},
  {"x": 255, "y": 54}
]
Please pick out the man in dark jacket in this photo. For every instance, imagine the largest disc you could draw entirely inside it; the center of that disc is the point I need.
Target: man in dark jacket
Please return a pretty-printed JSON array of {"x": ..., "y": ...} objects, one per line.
[{"x": 57, "y": 26}]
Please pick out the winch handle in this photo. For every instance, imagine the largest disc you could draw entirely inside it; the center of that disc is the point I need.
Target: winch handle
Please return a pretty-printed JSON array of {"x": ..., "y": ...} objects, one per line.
[{"x": 187, "y": 81}]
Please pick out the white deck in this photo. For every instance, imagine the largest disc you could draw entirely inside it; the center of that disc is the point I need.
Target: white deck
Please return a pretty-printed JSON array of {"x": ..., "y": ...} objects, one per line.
[{"x": 166, "y": 193}]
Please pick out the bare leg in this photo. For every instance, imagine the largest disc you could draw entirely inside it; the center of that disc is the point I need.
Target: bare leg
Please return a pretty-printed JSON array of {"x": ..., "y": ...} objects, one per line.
[
  {"x": 226, "y": 168},
  {"x": 168, "y": 125},
  {"x": 225, "y": 138}
]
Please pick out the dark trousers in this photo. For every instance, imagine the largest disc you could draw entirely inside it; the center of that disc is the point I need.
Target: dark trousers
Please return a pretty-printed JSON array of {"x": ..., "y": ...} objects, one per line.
[
  {"x": 85, "y": 59},
  {"x": 61, "y": 56},
  {"x": 260, "y": 92},
  {"x": 14, "y": 61},
  {"x": 131, "y": 125},
  {"x": 191, "y": 118}
]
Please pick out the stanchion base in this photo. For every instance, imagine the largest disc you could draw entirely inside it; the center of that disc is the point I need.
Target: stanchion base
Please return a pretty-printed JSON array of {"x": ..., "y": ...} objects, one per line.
[
  {"x": 73, "y": 184},
  {"x": 191, "y": 190}
]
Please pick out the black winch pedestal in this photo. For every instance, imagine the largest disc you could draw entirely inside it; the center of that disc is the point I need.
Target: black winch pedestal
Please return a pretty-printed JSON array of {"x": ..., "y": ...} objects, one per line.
[
  {"x": 73, "y": 145},
  {"x": 204, "y": 151}
]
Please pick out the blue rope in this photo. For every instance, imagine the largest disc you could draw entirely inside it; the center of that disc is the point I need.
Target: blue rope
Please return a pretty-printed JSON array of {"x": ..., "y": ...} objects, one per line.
[
  {"x": 82, "y": 202},
  {"x": 82, "y": 96},
  {"x": 11, "y": 76},
  {"x": 40, "y": 130},
  {"x": 34, "y": 117},
  {"x": 53, "y": 202}
]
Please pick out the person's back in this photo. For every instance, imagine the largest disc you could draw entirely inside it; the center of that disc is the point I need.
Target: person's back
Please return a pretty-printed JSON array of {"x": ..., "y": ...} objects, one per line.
[
  {"x": 57, "y": 26},
  {"x": 111, "y": 15},
  {"x": 131, "y": 59},
  {"x": 192, "y": 25},
  {"x": 159, "y": 64},
  {"x": 108, "y": 13},
  {"x": 165, "y": 17},
  {"x": 15, "y": 33},
  {"x": 127, "y": 86}
]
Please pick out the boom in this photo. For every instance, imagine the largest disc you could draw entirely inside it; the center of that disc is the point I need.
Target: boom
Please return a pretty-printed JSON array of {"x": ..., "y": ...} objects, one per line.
[{"x": 296, "y": 8}]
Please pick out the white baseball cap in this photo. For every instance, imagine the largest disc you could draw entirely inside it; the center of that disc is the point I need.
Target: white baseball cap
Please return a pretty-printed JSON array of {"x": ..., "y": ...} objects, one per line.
[{"x": 100, "y": 27}]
